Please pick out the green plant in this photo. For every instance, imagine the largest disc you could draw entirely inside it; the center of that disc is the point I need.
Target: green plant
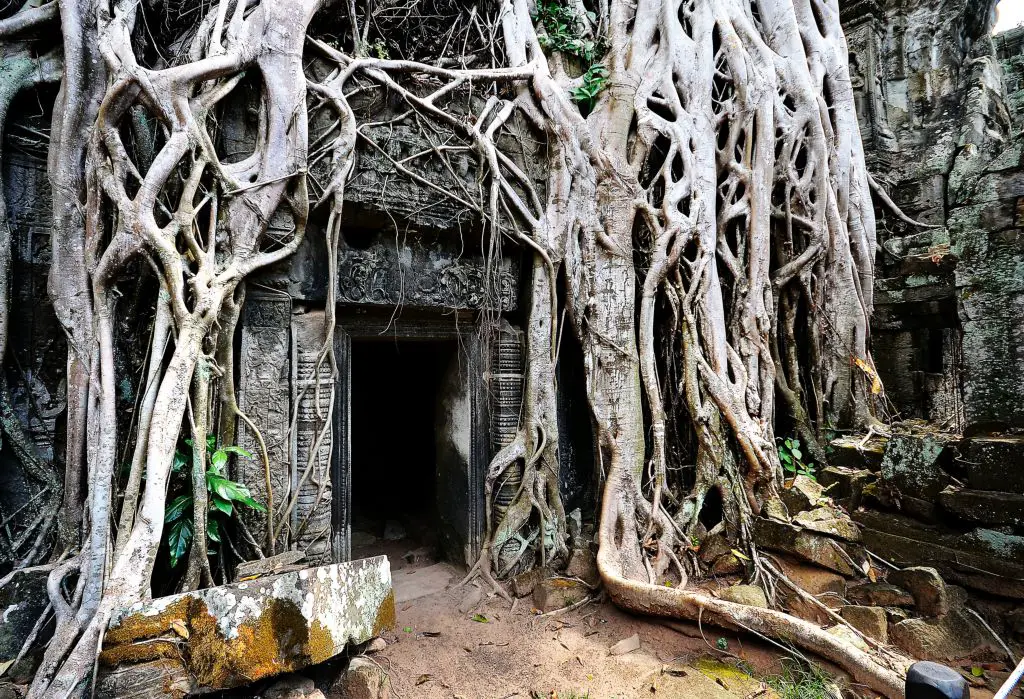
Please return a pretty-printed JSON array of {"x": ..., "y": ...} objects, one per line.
[
  {"x": 222, "y": 495},
  {"x": 802, "y": 680},
  {"x": 565, "y": 30},
  {"x": 792, "y": 458},
  {"x": 594, "y": 80},
  {"x": 380, "y": 50}
]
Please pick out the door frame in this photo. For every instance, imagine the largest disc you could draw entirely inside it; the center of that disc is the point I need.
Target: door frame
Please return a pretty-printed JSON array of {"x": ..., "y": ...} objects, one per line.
[{"x": 359, "y": 323}]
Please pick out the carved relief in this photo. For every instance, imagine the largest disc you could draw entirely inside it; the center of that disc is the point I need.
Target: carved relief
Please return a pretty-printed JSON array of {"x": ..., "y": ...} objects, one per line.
[
  {"x": 423, "y": 273},
  {"x": 265, "y": 396}
]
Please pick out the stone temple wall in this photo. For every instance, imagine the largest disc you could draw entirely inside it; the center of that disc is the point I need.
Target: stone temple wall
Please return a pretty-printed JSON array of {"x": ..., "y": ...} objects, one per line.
[{"x": 941, "y": 121}]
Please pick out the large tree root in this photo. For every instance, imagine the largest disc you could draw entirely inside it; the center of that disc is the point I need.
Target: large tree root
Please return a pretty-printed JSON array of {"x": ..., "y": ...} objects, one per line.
[{"x": 695, "y": 606}]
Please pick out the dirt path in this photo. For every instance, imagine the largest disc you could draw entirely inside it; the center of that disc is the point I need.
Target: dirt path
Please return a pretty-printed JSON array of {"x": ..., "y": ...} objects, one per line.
[{"x": 447, "y": 646}]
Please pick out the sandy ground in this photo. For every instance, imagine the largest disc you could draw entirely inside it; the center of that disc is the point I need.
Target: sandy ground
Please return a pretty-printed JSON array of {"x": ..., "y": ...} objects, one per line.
[{"x": 459, "y": 642}]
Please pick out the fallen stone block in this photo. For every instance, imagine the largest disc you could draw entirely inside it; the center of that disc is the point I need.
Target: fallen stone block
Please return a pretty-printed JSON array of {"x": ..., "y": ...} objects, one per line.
[
  {"x": 558, "y": 593},
  {"x": 583, "y": 565},
  {"x": 955, "y": 636},
  {"x": 524, "y": 583},
  {"x": 983, "y": 559},
  {"x": 362, "y": 679},
  {"x": 879, "y": 594},
  {"x": 802, "y": 494},
  {"x": 820, "y": 549},
  {"x": 994, "y": 463},
  {"x": 750, "y": 595},
  {"x": 870, "y": 621},
  {"x": 926, "y": 587},
  {"x": 233, "y": 635},
  {"x": 911, "y": 466},
  {"x": 851, "y": 453},
  {"x": 846, "y": 485},
  {"x": 829, "y": 520},
  {"x": 984, "y": 507},
  {"x": 626, "y": 645}
]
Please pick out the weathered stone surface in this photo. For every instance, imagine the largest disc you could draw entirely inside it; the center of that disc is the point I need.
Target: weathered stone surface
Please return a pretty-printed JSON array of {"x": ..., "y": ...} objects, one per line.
[
  {"x": 271, "y": 565},
  {"x": 312, "y": 437},
  {"x": 524, "y": 583},
  {"x": 227, "y": 636},
  {"x": 557, "y": 593},
  {"x": 824, "y": 584},
  {"x": 995, "y": 463},
  {"x": 290, "y": 687},
  {"x": 810, "y": 546},
  {"x": 879, "y": 594},
  {"x": 727, "y": 564},
  {"x": 801, "y": 494},
  {"x": 845, "y": 485},
  {"x": 265, "y": 397},
  {"x": 956, "y": 635},
  {"x": 750, "y": 595},
  {"x": 911, "y": 466},
  {"x": 713, "y": 546},
  {"x": 983, "y": 559},
  {"x": 843, "y": 632},
  {"x": 363, "y": 679},
  {"x": 22, "y": 601},
  {"x": 870, "y": 621},
  {"x": 583, "y": 565},
  {"x": 984, "y": 507},
  {"x": 165, "y": 678},
  {"x": 925, "y": 586},
  {"x": 829, "y": 520}
]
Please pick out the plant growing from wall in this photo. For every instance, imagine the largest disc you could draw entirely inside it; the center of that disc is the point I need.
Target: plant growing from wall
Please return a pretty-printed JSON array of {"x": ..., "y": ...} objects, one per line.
[
  {"x": 223, "y": 494},
  {"x": 792, "y": 458}
]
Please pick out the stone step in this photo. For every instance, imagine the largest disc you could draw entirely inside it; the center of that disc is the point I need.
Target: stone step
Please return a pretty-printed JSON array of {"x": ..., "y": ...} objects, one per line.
[
  {"x": 982, "y": 559},
  {"x": 989, "y": 507},
  {"x": 994, "y": 463}
]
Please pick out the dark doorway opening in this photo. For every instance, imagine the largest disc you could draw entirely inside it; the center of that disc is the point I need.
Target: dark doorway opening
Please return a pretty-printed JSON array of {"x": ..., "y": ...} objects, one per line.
[{"x": 396, "y": 392}]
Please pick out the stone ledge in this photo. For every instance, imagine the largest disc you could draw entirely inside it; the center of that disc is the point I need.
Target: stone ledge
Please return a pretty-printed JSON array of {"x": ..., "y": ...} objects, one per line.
[{"x": 232, "y": 635}]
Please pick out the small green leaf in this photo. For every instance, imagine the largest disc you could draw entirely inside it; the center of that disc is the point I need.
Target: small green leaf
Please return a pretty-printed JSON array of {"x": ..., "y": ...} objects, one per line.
[
  {"x": 480, "y": 618},
  {"x": 221, "y": 504},
  {"x": 211, "y": 442},
  {"x": 977, "y": 671},
  {"x": 178, "y": 539},
  {"x": 213, "y": 530},
  {"x": 177, "y": 507},
  {"x": 797, "y": 454},
  {"x": 232, "y": 449},
  {"x": 179, "y": 462},
  {"x": 721, "y": 644},
  {"x": 407, "y": 629},
  {"x": 739, "y": 555},
  {"x": 219, "y": 459}
]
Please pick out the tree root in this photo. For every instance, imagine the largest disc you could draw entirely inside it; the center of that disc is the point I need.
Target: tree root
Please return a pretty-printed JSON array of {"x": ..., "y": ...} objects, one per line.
[{"x": 695, "y": 606}]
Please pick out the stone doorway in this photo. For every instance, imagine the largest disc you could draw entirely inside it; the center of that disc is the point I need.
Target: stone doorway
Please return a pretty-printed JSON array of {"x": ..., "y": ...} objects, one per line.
[
  {"x": 399, "y": 445},
  {"x": 413, "y": 439}
]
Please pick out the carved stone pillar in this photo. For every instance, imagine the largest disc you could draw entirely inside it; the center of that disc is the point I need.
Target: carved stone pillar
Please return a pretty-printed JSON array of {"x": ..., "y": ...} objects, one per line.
[
  {"x": 505, "y": 383},
  {"x": 264, "y": 395},
  {"x": 314, "y": 394}
]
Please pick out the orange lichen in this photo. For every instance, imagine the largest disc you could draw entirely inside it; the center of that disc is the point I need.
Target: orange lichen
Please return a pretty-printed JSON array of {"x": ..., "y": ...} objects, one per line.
[{"x": 386, "y": 618}]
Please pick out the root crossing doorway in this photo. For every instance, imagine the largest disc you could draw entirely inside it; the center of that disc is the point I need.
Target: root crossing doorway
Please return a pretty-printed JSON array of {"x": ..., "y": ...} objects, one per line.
[{"x": 402, "y": 393}]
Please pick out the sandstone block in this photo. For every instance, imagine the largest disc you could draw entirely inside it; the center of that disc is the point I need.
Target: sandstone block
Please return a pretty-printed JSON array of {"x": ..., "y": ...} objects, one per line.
[
  {"x": 926, "y": 587},
  {"x": 879, "y": 594},
  {"x": 558, "y": 593},
  {"x": 363, "y": 679},
  {"x": 583, "y": 565},
  {"x": 870, "y": 621},
  {"x": 984, "y": 507},
  {"x": 912, "y": 466},
  {"x": 813, "y": 547},
  {"x": 232, "y": 635},
  {"x": 750, "y": 595},
  {"x": 995, "y": 463}
]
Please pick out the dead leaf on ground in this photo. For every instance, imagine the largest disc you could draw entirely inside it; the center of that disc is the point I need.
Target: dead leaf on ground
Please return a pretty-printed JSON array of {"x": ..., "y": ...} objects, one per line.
[{"x": 423, "y": 679}]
